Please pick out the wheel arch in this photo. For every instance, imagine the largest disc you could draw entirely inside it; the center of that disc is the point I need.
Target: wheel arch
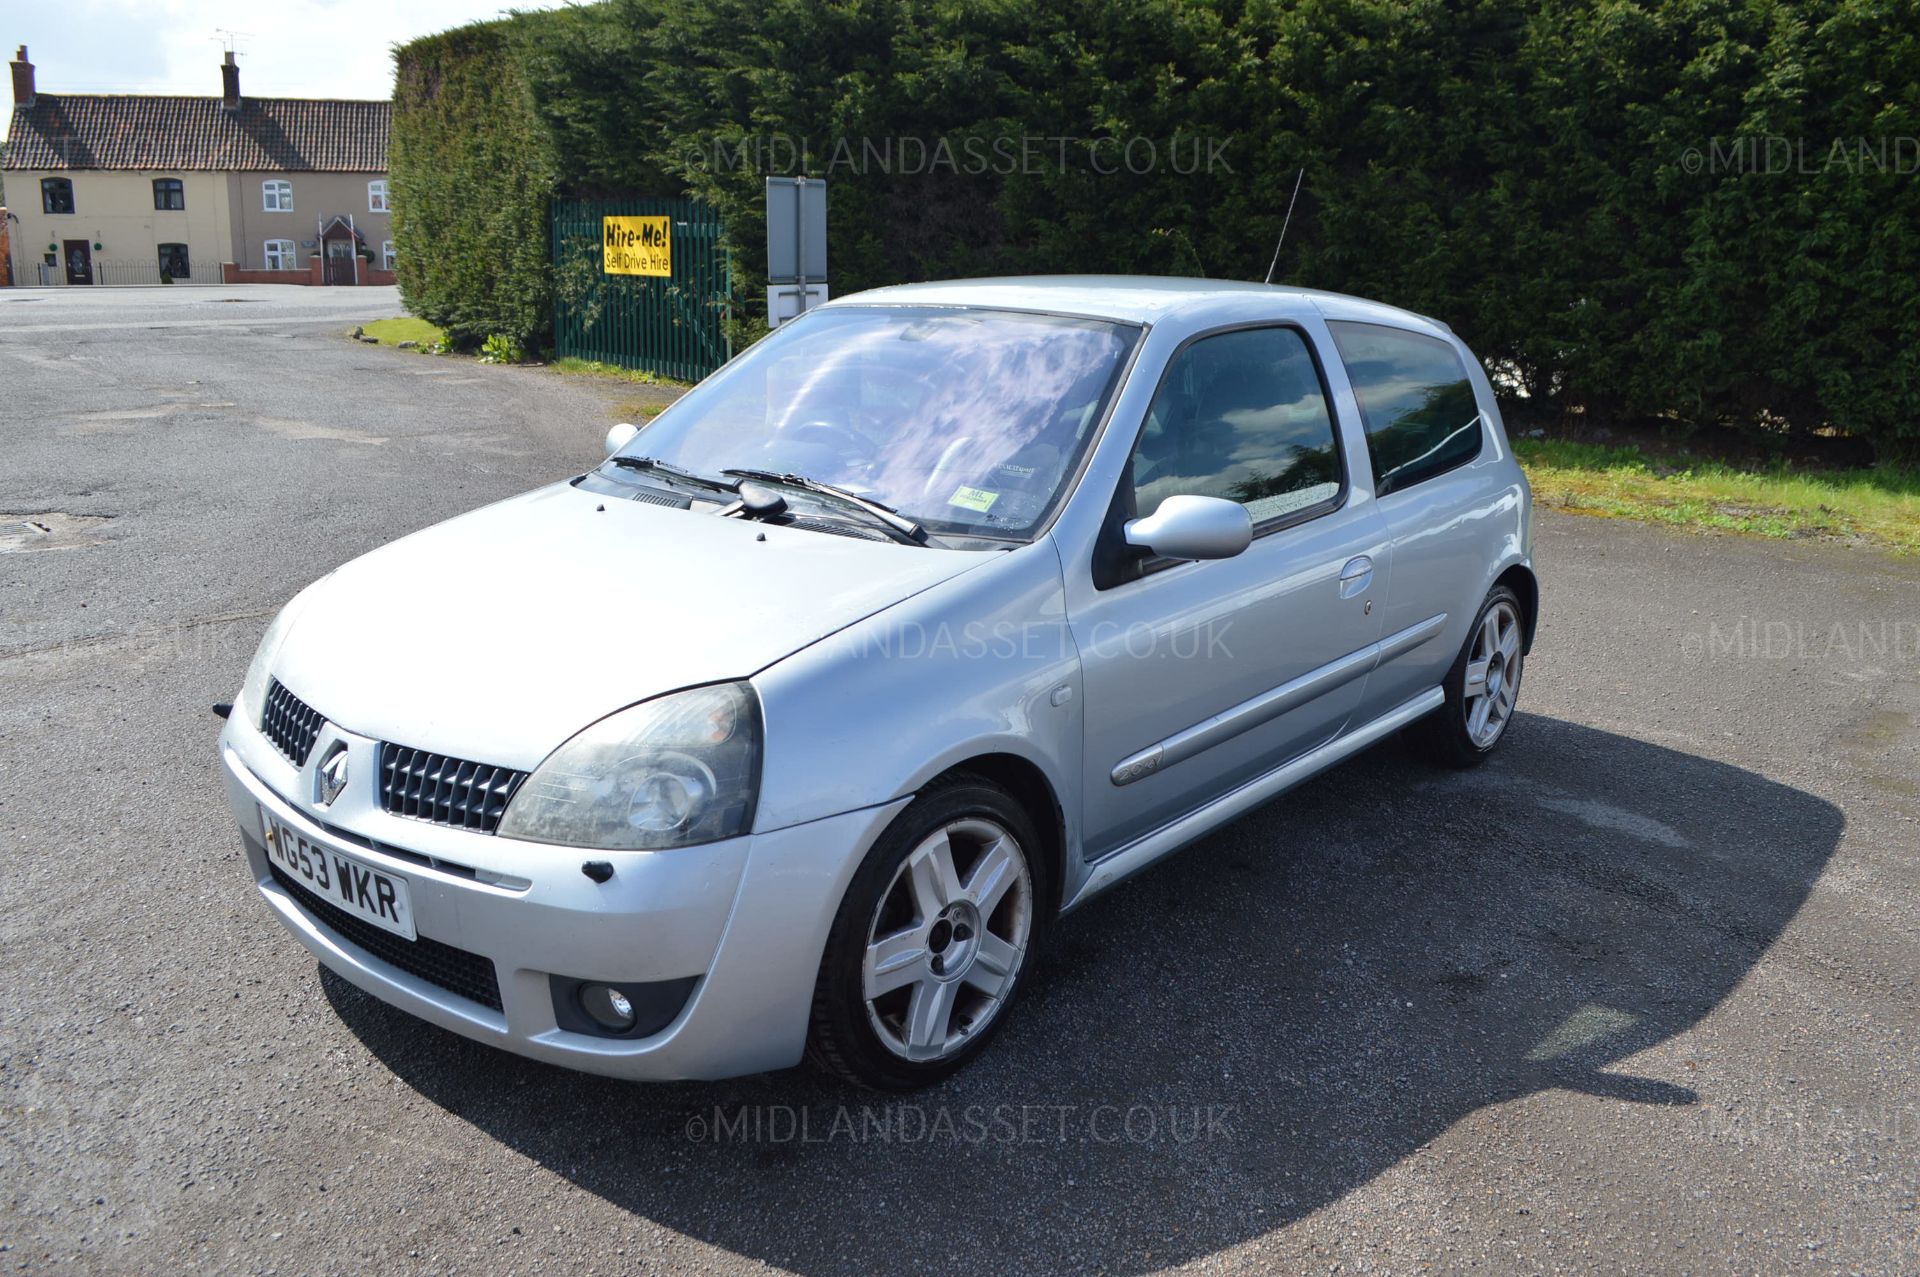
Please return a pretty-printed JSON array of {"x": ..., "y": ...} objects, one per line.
[
  {"x": 1520, "y": 579},
  {"x": 1030, "y": 787}
]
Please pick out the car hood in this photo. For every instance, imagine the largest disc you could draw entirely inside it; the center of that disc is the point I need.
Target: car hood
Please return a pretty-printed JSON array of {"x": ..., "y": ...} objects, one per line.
[{"x": 497, "y": 635}]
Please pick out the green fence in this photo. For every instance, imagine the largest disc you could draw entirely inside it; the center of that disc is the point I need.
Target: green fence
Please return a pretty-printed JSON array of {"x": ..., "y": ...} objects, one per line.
[{"x": 671, "y": 325}]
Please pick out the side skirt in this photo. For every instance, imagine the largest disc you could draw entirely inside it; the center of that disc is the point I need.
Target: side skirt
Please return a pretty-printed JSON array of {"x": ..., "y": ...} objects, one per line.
[{"x": 1143, "y": 851}]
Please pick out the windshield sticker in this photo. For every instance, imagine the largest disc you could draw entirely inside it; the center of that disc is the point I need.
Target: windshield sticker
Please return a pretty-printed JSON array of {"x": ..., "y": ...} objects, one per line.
[{"x": 973, "y": 499}]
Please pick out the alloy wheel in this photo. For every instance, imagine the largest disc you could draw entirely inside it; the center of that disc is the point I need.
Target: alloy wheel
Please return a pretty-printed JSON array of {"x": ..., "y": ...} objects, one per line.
[
  {"x": 1493, "y": 675},
  {"x": 948, "y": 940}
]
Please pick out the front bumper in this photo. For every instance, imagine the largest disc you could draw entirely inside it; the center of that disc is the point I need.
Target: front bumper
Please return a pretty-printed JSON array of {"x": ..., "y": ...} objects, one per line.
[{"x": 747, "y": 918}]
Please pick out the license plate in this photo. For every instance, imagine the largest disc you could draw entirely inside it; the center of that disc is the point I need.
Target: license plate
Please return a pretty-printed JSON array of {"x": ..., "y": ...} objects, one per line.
[{"x": 339, "y": 879}]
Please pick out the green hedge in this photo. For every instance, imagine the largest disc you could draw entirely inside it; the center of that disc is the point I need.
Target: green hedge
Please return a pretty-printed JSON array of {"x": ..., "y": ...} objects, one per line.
[
  {"x": 472, "y": 173},
  {"x": 1580, "y": 187}
]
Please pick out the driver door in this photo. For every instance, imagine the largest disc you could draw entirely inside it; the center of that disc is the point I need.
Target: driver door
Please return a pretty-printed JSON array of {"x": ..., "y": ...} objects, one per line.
[{"x": 1201, "y": 676}]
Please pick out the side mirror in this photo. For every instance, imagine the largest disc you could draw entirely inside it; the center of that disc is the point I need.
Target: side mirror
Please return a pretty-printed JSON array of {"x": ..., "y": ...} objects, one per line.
[
  {"x": 1189, "y": 527},
  {"x": 620, "y": 436}
]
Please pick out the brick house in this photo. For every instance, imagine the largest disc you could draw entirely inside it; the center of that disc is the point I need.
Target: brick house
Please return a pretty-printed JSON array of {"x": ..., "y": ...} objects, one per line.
[{"x": 141, "y": 189}]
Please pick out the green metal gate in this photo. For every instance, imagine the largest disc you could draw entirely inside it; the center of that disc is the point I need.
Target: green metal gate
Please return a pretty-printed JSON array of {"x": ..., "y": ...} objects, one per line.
[{"x": 670, "y": 325}]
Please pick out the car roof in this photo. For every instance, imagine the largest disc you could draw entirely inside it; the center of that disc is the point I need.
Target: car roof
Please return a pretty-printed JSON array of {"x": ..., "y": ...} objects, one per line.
[{"x": 1139, "y": 299}]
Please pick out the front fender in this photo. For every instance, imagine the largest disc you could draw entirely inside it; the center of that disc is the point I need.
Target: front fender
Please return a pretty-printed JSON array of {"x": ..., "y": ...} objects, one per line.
[{"x": 981, "y": 664}]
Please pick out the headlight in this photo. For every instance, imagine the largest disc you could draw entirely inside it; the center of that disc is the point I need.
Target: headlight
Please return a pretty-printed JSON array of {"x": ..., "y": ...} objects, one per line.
[
  {"x": 253, "y": 691},
  {"x": 669, "y": 772}
]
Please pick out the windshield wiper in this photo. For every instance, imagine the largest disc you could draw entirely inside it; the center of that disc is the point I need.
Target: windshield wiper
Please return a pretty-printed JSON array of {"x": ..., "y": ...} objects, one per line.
[
  {"x": 907, "y": 529},
  {"x": 671, "y": 471}
]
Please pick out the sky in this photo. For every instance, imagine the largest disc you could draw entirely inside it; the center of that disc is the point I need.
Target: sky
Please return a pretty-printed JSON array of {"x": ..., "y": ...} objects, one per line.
[{"x": 286, "y": 48}]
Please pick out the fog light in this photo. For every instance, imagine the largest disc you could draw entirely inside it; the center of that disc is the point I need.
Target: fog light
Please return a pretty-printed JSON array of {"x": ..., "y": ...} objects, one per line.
[
  {"x": 609, "y": 1007},
  {"x": 626, "y": 1010}
]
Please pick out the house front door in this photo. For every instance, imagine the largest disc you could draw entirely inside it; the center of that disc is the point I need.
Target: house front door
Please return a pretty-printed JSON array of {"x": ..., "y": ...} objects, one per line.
[
  {"x": 340, "y": 261},
  {"x": 79, "y": 258}
]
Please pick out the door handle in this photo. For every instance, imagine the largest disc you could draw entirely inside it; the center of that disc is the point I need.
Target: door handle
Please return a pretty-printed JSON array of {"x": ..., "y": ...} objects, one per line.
[{"x": 1356, "y": 576}]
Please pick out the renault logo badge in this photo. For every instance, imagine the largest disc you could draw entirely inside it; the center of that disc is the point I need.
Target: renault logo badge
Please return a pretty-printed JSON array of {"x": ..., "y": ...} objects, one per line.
[{"x": 331, "y": 776}]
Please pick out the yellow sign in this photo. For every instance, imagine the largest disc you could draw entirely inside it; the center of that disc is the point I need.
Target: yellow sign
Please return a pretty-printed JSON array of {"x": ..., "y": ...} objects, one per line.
[
  {"x": 638, "y": 245},
  {"x": 973, "y": 498}
]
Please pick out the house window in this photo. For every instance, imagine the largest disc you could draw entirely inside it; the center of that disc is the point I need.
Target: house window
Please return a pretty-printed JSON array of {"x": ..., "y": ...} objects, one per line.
[
  {"x": 277, "y": 197},
  {"x": 173, "y": 262},
  {"x": 56, "y": 195},
  {"x": 169, "y": 193},
  {"x": 377, "y": 196},
  {"x": 281, "y": 255},
  {"x": 386, "y": 255}
]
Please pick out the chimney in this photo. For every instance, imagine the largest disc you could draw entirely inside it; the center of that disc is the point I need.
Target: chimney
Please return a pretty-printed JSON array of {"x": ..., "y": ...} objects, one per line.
[
  {"x": 22, "y": 78},
  {"x": 229, "y": 83}
]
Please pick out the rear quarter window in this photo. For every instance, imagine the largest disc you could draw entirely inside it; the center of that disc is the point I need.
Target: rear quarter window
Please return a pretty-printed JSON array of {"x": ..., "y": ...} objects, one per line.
[{"x": 1415, "y": 400}]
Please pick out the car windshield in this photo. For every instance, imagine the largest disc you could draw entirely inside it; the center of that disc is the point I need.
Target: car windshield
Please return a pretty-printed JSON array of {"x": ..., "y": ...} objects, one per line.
[{"x": 970, "y": 422}]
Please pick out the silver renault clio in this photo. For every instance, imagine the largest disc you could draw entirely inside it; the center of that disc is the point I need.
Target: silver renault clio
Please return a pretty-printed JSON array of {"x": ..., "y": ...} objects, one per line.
[{"x": 792, "y": 727}]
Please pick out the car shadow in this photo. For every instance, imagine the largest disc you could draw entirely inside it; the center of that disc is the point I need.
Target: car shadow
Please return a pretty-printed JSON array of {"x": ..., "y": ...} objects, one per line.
[{"x": 1240, "y": 1036}]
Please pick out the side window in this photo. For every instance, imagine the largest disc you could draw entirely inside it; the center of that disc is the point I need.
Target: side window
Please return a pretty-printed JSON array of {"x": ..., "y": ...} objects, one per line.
[
  {"x": 1240, "y": 415},
  {"x": 169, "y": 193},
  {"x": 174, "y": 263},
  {"x": 1422, "y": 419},
  {"x": 56, "y": 195},
  {"x": 276, "y": 197}
]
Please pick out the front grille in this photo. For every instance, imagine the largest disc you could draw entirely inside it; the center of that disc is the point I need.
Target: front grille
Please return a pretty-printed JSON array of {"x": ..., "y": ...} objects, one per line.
[
  {"x": 455, "y": 970},
  {"x": 654, "y": 496},
  {"x": 446, "y": 791},
  {"x": 290, "y": 723}
]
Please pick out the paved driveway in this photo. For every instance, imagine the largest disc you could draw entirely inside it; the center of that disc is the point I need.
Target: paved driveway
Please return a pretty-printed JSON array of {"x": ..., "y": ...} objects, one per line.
[{"x": 1638, "y": 996}]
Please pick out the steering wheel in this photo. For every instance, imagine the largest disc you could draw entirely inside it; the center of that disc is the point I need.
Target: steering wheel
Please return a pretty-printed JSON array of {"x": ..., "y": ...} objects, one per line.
[{"x": 846, "y": 442}]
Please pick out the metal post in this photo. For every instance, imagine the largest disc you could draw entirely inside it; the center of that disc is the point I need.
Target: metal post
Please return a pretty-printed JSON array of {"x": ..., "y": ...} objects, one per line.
[{"x": 800, "y": 238}]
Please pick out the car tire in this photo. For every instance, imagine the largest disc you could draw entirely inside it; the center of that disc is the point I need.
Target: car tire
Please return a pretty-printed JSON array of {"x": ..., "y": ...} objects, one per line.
[
  {"x": 933, "y": 939},
  {"x": 1482, "y": 688}
]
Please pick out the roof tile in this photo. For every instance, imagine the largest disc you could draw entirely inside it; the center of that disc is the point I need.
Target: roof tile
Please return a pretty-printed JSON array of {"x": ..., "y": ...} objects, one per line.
[{"x": 123, "y": 131}]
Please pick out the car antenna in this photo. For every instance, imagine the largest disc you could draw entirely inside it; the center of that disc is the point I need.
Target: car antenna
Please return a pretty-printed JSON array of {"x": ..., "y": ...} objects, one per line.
[{"x": 1274, "y": 264}]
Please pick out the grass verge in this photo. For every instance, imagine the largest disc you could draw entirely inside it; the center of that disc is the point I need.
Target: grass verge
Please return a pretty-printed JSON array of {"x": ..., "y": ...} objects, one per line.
[
  {"x": 639, "y": 410},
  {"x": 391, "y": 332},
  {"x": 1878, "y": 507},
  {"x": 594, "y": 368}
]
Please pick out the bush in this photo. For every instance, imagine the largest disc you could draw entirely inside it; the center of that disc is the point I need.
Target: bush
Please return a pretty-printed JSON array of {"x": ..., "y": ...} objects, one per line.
[
  {"x": 502, "y": 348},
  {"x": 472, "y": 176}
]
